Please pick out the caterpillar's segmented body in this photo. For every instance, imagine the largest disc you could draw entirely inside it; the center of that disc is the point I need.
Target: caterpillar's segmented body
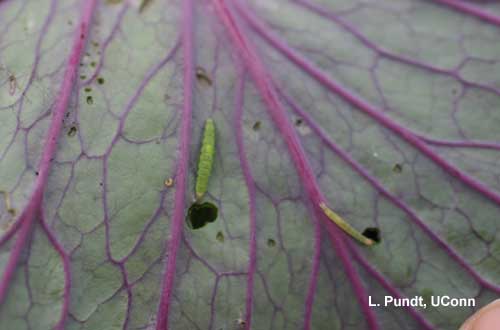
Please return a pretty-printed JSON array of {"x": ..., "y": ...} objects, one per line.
[{"x": 206, "y": 159}]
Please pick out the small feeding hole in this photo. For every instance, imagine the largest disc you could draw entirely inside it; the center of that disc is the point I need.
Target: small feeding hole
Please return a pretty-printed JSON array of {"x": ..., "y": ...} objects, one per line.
[
  {"x": 372, "y": 233},
  {"x": 72, "y": 131},
  {"x": 256, "y": 125},
  {"x": 271, "y": 242},
  {"x": 203, "y": 76},
  {"x": 100, "y": 80},
  {"x": 90, "y": 100},
  {"x": 220, "y": 237},
  {"x": 201, "y": 214},
  {"x": 298, "y": 122},
  {"x": 397, "y": 168}
]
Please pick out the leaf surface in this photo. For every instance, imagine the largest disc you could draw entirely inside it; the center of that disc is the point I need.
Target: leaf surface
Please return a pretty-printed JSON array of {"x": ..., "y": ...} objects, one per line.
[{"x": 384, "y": 110}]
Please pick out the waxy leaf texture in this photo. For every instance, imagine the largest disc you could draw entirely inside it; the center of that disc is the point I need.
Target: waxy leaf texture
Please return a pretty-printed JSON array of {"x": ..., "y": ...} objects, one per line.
[{"x": 386, "y": 111}]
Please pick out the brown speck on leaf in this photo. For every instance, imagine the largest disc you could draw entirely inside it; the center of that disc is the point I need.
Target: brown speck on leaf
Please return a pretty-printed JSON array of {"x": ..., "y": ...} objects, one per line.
[
  {"x": 169, "y": 182},
  {"x": 298, "y": 122},
  {"x": 203, "y": 76},
  {"x": 397, "y": 168},
  {"x": 12, "y": 84},
  {"x": 95, "y": 44},
  {"x": 220, "y": 237},
  {"x": 256, "y": 125},
  {"x": 72, "y": 131}
]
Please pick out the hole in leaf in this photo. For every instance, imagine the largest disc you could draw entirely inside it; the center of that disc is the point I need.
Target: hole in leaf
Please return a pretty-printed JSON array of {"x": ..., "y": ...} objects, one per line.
[
  {"x": 271, "y": 242},
  {"x": 72, "y": 131},
  {"x": 100, "y": 80},
  {"x": 299, "y": 122},
  {"x": 256, "y": 125},
  {"x": 201, "y": 214},
  {"x": 88, "y": 89},
  {"x": 372, "y": 233},
  {"x": 397, "y": 168},
  {"x": 220, "y": 237},
  {"x": 93, "y": 64},
  {"x": 203, "y": 76},
  {"x": 90, "y": 100},
  {"x": 82, "y": 77}
]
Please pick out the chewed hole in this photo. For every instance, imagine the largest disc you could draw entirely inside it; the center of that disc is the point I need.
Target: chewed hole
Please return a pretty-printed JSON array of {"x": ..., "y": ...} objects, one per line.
[
  {"x": 271, "y": 242},
  {"x": 372, "y": 233},
  {"x": 202, "y": 76},
  {"x": 201, "y": 214},
  {"x": 219, "y": 237},
  {"x": 256, "y": 126},
  {"x": 72, "y": 131},
  {"x": 397, "y": 168}
]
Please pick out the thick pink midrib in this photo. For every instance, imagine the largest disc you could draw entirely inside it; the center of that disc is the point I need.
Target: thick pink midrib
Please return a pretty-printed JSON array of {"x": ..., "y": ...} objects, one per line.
[
  {"x": 278, "y": 113},
  {"x": 182, "y": 168},
  {"x": 33, "y": 207},
  {"x": 365, "y": 107},
  {"x": 249, "y": 181},
  {"x": 470, "y": 9}
]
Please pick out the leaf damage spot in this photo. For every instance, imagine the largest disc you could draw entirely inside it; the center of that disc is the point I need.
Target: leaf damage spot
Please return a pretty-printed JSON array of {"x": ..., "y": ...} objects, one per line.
[
  {"x": 201, "y": 214},
  {"x": 256, "y": 126},
  {"x": 203, "y": 77},
  {"x": 90, "y": 100},
  {"x": 271, "y": 242},
  {"x": 372, "y": 233},
  {"x": 397, "y": 168},
  {"x": 72, "y": 131},
  {"x": 220, "y": 237},
  {"x": 100, "y": 80},
  {"x": 87, "y": 89},
  {"x": 169, "y": 182}
]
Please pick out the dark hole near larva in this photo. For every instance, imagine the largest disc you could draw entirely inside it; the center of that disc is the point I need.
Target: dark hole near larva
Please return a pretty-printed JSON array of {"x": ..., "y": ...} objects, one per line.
[
  {"x": 220, "y": 236},
  {"x": 72, "y": 131},
  {"x": 299, "y": 122},
  {"x": 201, "y": 214},
  {"x": 271, "y": 242},
  {"x": 88, "y": 89},
  {"x": 90, "y": 100},
  {"x": 256, "y": 126},
  {"x": 203, "y": 76},
  {"x": 397, "y": 168},
  {"x": 372, "y": 233},
  {"x": 93, "y": 64},
  {"x": 100, "y": 80}
]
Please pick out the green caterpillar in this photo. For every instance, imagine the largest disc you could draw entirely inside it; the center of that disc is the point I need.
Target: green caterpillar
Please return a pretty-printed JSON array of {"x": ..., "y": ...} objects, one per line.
[{"x": 205, "y": 162}]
